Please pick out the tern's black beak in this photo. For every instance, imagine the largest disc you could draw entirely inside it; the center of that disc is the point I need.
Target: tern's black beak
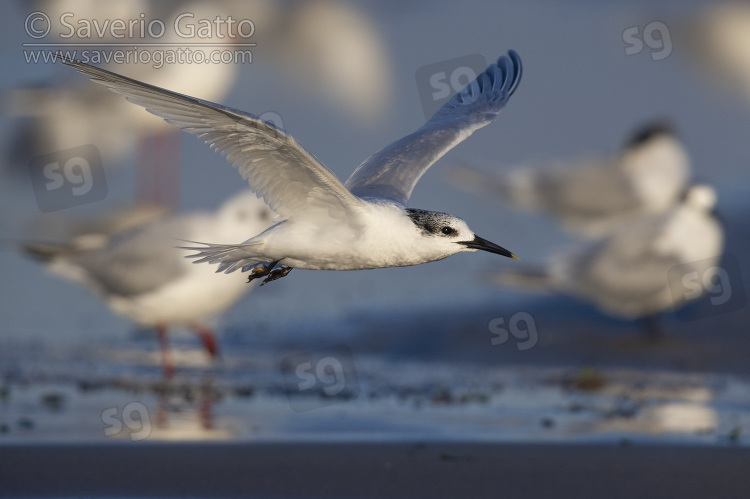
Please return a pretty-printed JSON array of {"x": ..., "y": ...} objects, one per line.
[{"x": 485, "y": 245}]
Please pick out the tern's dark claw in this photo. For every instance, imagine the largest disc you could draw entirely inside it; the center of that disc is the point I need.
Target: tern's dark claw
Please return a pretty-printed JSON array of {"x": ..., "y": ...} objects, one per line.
[
  {"x": 262, "y": 271},
  {"x": 276, "y": 274}
]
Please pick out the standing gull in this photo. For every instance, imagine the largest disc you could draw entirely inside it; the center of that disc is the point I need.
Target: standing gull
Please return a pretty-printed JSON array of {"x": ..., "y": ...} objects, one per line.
[
  {"x": 639, "y": 269},
  {"x": 324, "y": 224},
  {"x": 144, "y": 278}
]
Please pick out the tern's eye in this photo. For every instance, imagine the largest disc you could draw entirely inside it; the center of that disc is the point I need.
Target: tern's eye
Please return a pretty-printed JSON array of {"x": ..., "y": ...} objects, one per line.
[{"x": 448, "y": 231}]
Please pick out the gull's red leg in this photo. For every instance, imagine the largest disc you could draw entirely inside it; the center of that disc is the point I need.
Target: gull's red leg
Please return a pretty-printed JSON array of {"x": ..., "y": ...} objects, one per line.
[
  {"x": 167, "y": 363},
  {"x": 208, "y": 338}
]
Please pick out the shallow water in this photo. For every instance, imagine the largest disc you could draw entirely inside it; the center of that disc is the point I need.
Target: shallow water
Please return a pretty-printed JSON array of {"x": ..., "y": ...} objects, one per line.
[{"x": 116, "y": 391}]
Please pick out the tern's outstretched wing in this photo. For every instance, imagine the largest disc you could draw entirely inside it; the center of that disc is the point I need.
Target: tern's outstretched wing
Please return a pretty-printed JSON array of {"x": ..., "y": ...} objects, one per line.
[
  {"x": 290, "y": 179},
  {"x": 393, "y": 172}
]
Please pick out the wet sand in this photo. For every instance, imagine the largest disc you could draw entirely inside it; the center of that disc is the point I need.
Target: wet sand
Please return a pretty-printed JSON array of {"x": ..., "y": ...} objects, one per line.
[{"x": 373, "y": 470}]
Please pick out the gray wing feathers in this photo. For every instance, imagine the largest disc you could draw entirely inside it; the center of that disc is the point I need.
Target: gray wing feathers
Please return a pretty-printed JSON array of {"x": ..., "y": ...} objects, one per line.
[{"x": 393, "y": 172}]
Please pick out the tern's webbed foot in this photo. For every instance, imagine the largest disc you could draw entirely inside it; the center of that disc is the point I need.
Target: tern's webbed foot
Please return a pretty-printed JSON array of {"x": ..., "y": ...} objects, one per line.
[{"x": 276, "y": 274}]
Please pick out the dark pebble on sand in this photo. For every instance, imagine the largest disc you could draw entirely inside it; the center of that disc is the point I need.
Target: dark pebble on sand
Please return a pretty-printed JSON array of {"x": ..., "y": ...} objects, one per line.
[
  {"x": 53, "y": 401},
  {"x": 244, "y": 391},
  {"x": 25, "y": 423},
  {"x": 89, "y": 386},
  {"x": 586, "y": 379},
  {"x": 735, "y": 434}
]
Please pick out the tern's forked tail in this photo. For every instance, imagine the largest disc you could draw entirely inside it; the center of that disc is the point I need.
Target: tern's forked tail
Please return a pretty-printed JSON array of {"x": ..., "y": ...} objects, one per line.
[{"x": 230, "y": 257}]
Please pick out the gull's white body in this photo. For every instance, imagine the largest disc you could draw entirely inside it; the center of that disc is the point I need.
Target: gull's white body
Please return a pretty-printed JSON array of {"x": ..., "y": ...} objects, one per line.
[
  {"x": 627, "y": 273},
  {"x": 324, "y": 224},
  {"x": 590, "y": 197}
]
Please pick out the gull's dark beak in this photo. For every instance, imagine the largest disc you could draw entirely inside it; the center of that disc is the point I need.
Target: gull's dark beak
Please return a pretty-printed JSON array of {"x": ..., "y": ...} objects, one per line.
[{"x": 485, "y": 245}]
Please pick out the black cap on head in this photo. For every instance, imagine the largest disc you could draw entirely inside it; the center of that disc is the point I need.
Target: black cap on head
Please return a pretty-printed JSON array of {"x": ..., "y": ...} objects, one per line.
[{"x": 648, "y": 132}]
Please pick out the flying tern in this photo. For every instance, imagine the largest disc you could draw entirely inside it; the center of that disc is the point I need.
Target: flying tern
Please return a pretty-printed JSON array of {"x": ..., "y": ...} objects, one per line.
[{"x": 322, "y": 223}]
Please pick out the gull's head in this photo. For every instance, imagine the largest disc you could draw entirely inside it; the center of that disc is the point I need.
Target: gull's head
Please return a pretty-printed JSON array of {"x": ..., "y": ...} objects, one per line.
[
  {"x": 446, "y": 234},
  {"x": 701, "y": 197}
]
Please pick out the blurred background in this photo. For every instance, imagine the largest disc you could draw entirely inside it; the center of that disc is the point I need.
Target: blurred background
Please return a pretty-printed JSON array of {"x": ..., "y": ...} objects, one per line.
[{"x": 434, "y": 351}]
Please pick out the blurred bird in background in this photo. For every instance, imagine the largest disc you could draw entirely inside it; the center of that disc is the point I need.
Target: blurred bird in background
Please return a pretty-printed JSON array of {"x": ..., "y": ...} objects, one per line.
[
  {"x": 626, "y": 272},
  {"x": 719, "y": 42},
  {"x": 336, "y": 49},
  {"x": 141, "y": 276},
  {"x": 62, "y": 114},
  {"x": 588, "y": 197},
  {"x": 638, "y": 213}
]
